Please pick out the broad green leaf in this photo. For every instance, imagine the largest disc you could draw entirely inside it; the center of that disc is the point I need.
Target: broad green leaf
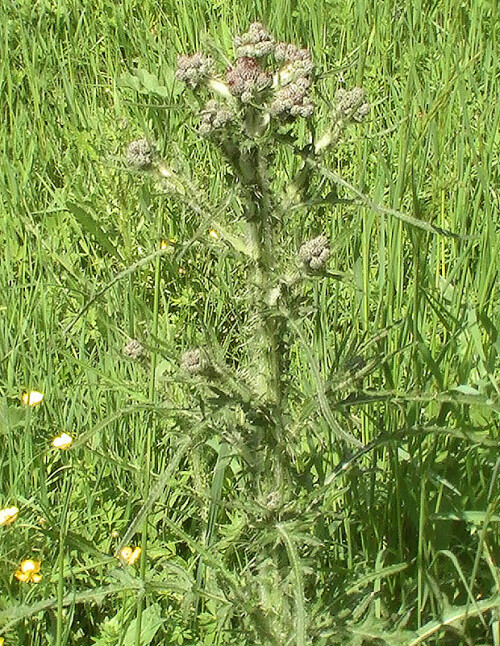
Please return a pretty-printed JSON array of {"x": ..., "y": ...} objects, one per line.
[
  {"x": 91, "y": 226},
  {"x": 150, "y": 624}
]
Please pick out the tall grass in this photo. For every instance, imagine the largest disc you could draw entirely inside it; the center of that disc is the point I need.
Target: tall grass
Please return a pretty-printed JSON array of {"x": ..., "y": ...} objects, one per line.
[{"x": 396, "y": 541}]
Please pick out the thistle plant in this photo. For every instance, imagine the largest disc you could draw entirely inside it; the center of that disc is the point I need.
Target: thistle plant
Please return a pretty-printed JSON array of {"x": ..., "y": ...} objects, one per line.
[{"x": 263, "y": 102}]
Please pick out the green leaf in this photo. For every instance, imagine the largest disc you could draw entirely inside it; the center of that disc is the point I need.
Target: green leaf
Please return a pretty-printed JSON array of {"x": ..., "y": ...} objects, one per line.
[
  {"x": 151, "y": 83},
  {"x": 145, "y": 82},
  {"x": 91, "y": 226},
  {"x": 473, "y": 517},
  {"x": 150, "y": 624},
  {"x": 466, "y": 390},
  {"x": 10, "y": 417},
  {"x": 127, "y": 80}
]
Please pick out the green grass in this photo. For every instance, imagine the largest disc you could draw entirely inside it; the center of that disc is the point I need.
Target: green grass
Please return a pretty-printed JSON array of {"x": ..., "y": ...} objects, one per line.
[{"x": 402, "y": 353}]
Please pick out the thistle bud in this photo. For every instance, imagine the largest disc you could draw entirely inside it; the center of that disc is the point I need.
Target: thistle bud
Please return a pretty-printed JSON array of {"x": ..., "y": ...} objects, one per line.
[
  {"x": 314, "y": 255},
  {"x": 247, "y": 80},
  {"x": 214, "y": 118},
  {"x": 133, "y": 349},
  {"x": 351, "y": 105},
  {"x": 297, "y": 61},
  {"x": 195, "y": 362},
  {"x": 140, "y": 154},
  {"x": 255, "y": 43},
  {"x": 193, "y": 70},
  {"x": 293, "y": 100}
]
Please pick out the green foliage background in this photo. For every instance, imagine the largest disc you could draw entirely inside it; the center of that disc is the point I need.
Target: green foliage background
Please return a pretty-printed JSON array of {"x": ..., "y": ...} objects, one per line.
[{"x": 406, "y": 346}]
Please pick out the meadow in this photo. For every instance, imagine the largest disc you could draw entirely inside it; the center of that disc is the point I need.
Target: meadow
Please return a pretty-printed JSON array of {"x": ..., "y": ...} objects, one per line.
[{"x": 148, "y": 502}]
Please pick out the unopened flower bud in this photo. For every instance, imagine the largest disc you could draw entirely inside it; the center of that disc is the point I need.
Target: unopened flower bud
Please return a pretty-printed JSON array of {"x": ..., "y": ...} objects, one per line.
[
  {"x": 351, "y": 104},
  {"x": 140, "y": 154},
  {"x": 214, "y": 118},
  {"x": 314, "y": 254},
  {"x": 195, "y": 69},
  {"x": 195, "y": 362},
  {"x": 255, "y": 43},
  {"x": 297, "y": 61},
  {"x": 293, "y": 100},
  {"x": 247, "y": 80},
  {"x": 133, "y": 349}
]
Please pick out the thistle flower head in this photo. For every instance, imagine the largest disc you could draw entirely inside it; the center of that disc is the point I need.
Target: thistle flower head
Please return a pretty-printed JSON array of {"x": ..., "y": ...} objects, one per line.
[
  {"x": 140, "y": 154},
  {"x": 134, "y": 349},
  {"x": 292, "y": 100},
  {"x": 195, "y": 69},
  {"x": 351, "y": 104},
  {"x": 8, "y": 515},
  {"x": 255, "y": 43},
  {"x": 295, "y": 60},
  {"x": 214, "y": 118},
  {"x": 247, "y": 79},
  {"x": 314, "y": 254},
  {"x": 28, "y": 571},
  {"x": 195, "y": 362}
]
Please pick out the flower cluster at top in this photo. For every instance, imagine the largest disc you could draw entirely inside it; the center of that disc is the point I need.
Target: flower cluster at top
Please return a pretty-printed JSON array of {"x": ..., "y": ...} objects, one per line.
[{"x": 274, "y": 76}]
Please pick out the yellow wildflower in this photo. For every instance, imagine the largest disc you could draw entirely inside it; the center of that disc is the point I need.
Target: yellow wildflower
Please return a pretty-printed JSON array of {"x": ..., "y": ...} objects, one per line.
[
  {"x": 8, "y": 516},
  {"x": 31, "y": 397},
  {"x": 130, "y": 555},
  {"x": 163, "y": 244},
  {"x": 29, "y": 571},
  {"x": 62, "y": 441},
  {"x": 214, "y": 234}
]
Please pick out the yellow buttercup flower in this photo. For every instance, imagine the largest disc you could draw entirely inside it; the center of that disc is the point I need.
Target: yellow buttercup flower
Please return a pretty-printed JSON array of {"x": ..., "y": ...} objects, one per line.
[
  {"x": 168, "y": 244},
  {"x": 130, "y": 555},
  {"x": 62, "y": 441},
  {"x": 214, "y": 234},
  {"x": 29, "y": 572},
  {"x": 8, "y": 516},
  {"x": 2, "y": 641},
  {"x": 31, "y": 398}
]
